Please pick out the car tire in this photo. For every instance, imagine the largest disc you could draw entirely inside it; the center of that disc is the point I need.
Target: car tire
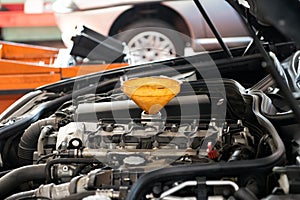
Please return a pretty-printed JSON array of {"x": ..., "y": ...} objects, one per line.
[{"x": 149, "y": 40}]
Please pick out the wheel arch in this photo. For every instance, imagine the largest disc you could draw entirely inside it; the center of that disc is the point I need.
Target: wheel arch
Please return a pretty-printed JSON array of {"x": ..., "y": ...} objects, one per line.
[{"x": 150, "y": 11}]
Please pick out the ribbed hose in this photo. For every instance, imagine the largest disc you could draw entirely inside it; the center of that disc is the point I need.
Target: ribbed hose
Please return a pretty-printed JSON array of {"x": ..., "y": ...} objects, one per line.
[
  {"x": 10, "y": 181},
  {"x": 29, "y": 140}
]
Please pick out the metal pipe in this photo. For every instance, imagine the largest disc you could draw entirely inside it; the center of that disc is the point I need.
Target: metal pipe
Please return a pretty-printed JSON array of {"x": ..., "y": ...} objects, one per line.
[
  {"x": 213, "y": 28},
  {"x": 233, "y": 184},
  {"x": 177, "y": 188},
  {"x": 194, "y": 183}
]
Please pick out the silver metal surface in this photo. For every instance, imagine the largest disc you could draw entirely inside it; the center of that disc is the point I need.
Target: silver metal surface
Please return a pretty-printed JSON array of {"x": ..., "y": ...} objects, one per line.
[
  {"x": 194, "y": 183},
  {"x": 149, "y": 46}
]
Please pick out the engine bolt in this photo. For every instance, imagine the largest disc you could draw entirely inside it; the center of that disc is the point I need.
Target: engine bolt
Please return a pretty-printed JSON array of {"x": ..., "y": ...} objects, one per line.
[
  {"x": 220, "y": 102},
  {"x": 75, "y": 143},
  {"x": 65, "y": 168},
  {"x": 174, "y": 128},
  {"x": 109, "y": 128}
]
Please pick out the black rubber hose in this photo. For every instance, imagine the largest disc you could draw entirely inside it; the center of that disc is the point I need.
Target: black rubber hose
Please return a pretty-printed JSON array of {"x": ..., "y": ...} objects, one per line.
[
  {"x": 21, "y": 195},
  {"x": 29, "y": 140},
  {"x": 294, "y": 105},
  {"x": 189, "y": 172},
  {"x": 10, "y": 181},
  {"x": 4, "y": 172},
  {"x": 245, "y": 194}
]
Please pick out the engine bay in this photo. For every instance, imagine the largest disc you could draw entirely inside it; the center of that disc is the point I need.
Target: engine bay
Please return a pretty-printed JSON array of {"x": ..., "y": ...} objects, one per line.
[
  {"x": 217, "y": 125},
  {"x": 108, "y": 142}
]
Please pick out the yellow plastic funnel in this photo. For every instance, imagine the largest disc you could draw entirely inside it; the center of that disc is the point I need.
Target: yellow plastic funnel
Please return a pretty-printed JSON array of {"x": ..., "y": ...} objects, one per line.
[{"x": 151, "y": 93}]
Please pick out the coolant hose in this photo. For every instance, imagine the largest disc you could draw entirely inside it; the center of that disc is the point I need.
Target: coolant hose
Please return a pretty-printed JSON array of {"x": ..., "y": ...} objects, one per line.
[
  {"x": 245, "y": 194},
  {"x": 10, "y": 181},
  {"x": 29, "y": 140},
  {"x": 21, "y": 195}
]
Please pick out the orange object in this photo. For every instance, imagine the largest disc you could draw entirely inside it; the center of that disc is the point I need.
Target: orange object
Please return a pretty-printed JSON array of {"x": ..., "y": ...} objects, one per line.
[
  {"x": 14, "y": 16},
  {"x": 25, "y": 67},
  {"x": 151, "y": 93},
  {"x": 20, "y": 19}
]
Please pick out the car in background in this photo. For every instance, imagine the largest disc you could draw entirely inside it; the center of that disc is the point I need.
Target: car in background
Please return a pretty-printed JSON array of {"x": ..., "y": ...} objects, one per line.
[{"x": 161, "y": 28}]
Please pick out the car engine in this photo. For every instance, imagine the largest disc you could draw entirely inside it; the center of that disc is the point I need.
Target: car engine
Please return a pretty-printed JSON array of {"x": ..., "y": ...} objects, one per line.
[
  {"x": 101, "y": 145},
  {"x": 217, "y": 125}
]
